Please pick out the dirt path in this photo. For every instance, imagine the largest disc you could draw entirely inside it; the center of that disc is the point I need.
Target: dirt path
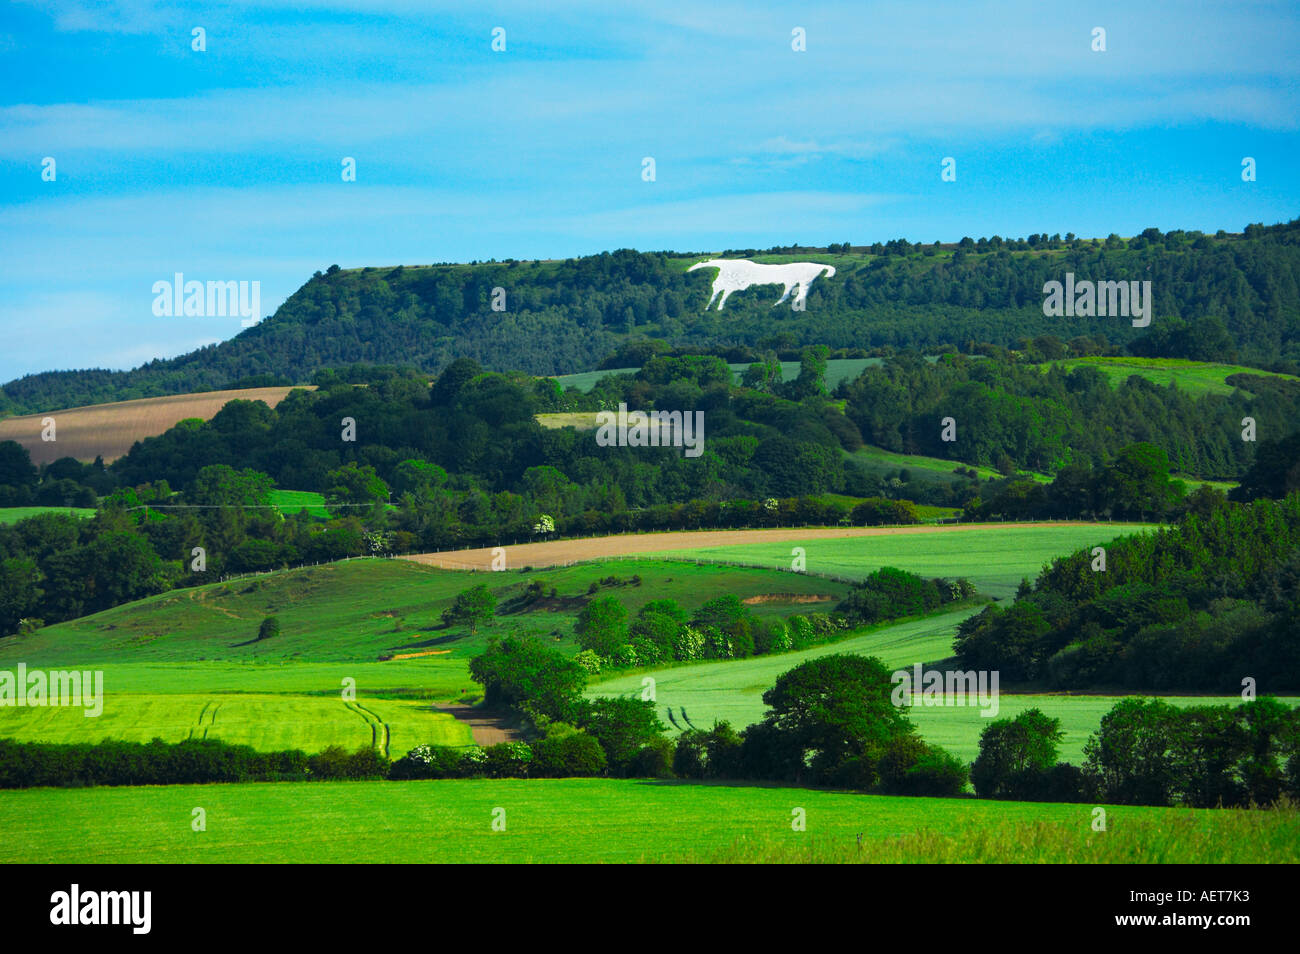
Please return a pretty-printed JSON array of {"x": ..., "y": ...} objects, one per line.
[
  {"x": 486, "y": 729},
  {"x": 556, "y": 552}
]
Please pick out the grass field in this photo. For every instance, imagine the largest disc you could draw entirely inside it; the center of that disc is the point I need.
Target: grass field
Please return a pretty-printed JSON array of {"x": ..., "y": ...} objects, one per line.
[
  {"x": 296, "y": 501},
  {"x": 109, "y": 430},
  {"x": 697, "y": 695},
  {"x": 14, "y": 514},
  {"x": 1194, "y": 377},
  {"x": 267, "y": 722},
  {"x": 880, "y": 461},
  {"x": 994, "y": 558},
  {"x": 358, "y": 610},
  {"x": 168, "y": 657},
  {"x": 598, "y": 820}
]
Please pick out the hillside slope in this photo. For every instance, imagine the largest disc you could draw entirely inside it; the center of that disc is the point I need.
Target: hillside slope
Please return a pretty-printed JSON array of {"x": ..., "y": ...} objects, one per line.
[{"x": 566, "y": 316}]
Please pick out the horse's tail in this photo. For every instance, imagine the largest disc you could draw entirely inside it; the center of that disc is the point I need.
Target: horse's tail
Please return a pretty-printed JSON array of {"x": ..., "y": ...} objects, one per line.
[{"x": 830, "y": 271}]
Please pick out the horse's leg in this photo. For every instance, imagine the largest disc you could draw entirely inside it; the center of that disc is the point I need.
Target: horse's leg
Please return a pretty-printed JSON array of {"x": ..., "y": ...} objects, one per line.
[
  {"x": 723, "y": 301},
  {"x": 784, "y": 296}
]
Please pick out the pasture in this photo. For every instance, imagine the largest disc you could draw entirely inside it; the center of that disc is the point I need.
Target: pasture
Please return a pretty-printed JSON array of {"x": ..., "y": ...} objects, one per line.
[
  {"x": 1193, "y": 377},
  {"x": 602, "y": 820}
]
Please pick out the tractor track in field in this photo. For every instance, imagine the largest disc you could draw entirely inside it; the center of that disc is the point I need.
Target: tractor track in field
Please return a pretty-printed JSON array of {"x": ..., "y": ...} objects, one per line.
[
  {"x": 560, "y": 552},
  {"x": 212, "y": 718},
  {"x": 380, "y": 731}
]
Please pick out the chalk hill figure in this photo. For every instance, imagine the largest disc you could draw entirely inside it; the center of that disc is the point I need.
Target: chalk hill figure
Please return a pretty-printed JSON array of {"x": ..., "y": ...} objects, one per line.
[{"x": 739, "y": 274}]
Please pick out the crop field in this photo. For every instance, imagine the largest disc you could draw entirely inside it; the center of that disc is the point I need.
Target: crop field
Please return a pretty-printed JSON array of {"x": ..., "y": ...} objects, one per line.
[
  {"x": 994, "y": 557},
  {"x": 601, "y": 820},
  {"x": 109, "y": 430},
  {"x": 1194, "y": 377},
  {"x": 14, "y": 514},
  {"x": 267, "y": 722}
]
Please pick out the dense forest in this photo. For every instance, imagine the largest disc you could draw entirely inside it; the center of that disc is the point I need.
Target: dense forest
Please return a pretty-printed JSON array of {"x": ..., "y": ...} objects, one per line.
[
  {"x": 1219, "y": 297},
  {"x": 1008, "y": 414}
]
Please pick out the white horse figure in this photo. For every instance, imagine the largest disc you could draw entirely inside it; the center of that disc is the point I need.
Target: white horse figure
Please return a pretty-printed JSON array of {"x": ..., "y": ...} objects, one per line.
[{"x": 738, "y": 273}]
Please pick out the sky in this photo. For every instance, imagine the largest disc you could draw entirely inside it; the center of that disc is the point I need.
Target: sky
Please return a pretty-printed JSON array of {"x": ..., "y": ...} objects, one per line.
[{"x": 226, "y": 163}]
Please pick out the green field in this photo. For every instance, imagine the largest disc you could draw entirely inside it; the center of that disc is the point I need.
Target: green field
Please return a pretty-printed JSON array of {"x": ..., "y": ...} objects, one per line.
[
  {"x": 168, "y": 657},
  {"x": 877, "y": 460},
  {"x": 356, "y": 611},
  {"x": 269, "y": 723},
  {"x": 14, "y": 514},
  {"x": 994, "y": 558},
  {"x": 296, "y": 501},
  {"x": 837, "y": 370},
  {"x": 600, "y": 820},
  {"x": 697, "y": 695},
  {"x": 1194, "y": 377}
]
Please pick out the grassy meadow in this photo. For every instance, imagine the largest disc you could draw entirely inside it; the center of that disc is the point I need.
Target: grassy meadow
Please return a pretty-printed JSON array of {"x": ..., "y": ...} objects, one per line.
[{"x": 603, "y": 820}]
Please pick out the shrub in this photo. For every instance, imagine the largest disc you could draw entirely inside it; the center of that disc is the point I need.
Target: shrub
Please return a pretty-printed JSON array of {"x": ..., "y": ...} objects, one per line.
[
  {"x": 507, "y": 760},
  {"x": 654, "y": 760},
  {"x": 572, "y": 755}
]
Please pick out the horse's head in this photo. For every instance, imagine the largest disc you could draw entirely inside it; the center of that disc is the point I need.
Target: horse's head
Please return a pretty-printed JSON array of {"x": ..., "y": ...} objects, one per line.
[{"x": 708, "y": 264}]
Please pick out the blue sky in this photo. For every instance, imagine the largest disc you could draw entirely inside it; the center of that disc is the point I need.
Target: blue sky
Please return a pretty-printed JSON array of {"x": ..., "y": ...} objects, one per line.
[{"x": 225, "y": 164}]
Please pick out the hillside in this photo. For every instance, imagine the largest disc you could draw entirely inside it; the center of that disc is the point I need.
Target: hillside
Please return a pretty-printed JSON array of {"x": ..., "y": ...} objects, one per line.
[
  {"x": 109, "y": 430},
  {"x": 566, "y": 316}
]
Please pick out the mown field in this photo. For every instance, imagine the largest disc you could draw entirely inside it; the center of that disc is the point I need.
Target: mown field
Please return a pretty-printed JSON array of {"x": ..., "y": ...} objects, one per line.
[{"x": 603, "y": 820}]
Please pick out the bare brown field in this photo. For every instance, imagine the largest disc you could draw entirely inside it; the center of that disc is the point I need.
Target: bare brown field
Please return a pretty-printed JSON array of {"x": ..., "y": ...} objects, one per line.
[
  {"x": 558, "y": 552},
  {"x": 109, "y": 430}
]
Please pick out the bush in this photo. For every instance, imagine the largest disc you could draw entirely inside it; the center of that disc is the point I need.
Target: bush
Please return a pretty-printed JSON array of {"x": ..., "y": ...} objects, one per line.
[
  {"x": 507, "y": 760},
  {"x": 426, "y": 762},
  {"x": 771, "y": 635},
  {"x": 572, "y": 755},
  {"x": 654, "y": 760},
  {"x": 335, "y": 762}
]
